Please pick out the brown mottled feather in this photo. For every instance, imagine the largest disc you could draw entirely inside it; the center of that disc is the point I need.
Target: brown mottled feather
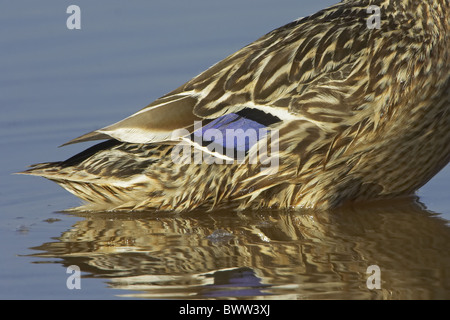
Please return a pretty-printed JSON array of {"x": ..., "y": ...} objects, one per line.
[{"x": 364, "y": 113}]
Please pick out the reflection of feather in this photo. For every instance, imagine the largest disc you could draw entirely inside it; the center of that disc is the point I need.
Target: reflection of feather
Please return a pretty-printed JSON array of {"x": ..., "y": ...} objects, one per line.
[
  {"x": 356, "y": 110},
  {"x": 311, "y": 255}
]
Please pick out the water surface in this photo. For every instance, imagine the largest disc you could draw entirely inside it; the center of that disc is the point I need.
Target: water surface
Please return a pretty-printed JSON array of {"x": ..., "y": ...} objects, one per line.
[{"x": 56, "y": 84}]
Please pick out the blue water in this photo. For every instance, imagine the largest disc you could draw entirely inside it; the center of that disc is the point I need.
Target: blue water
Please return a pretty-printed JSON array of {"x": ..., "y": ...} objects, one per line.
[{"x": 56, "y": 84}]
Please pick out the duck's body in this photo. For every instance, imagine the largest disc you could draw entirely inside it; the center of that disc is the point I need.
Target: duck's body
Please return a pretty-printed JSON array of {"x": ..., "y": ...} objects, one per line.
[{"x": 358, "y": 113}]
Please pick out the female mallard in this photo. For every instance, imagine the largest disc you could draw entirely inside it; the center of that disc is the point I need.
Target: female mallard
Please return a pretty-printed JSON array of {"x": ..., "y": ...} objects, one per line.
[{"x": 334, "y": 107}]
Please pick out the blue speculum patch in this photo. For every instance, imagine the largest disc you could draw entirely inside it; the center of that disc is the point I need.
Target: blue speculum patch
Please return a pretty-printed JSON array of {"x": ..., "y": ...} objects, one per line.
[{"x": 230, "y": 132}]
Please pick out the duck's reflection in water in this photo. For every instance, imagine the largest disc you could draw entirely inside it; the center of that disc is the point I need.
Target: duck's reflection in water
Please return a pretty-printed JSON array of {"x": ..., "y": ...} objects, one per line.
[{"x": 265, "y": 254}]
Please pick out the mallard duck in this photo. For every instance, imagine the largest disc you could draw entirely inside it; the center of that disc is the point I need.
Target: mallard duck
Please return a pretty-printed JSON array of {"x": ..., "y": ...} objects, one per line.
[{"x": 332, "y": 108}]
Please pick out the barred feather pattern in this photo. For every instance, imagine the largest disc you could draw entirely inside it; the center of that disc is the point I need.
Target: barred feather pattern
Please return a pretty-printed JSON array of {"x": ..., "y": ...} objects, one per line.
[{"x": 364, "y": 113}]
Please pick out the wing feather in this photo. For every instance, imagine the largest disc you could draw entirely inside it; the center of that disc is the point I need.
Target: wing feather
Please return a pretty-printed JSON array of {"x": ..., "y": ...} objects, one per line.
[{"x": 286, "y": 73}]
